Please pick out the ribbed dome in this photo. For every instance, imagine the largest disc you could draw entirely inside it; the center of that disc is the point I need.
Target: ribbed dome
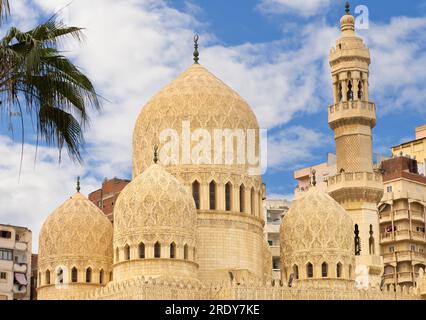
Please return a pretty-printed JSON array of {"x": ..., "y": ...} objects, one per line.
[
  {"x": 154, "y": 204},
  {"x": 316, "y": 229},
  {"x": 196, "y": 96},
  {"x": 76, "y": 230}
]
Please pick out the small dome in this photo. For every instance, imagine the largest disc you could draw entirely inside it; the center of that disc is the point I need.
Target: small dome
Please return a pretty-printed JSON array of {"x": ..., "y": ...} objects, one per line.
[
  {"x": 317, "y": 230},
  {"x": 154, "y": 209},
  {"x": 196, "y": 96},
  {"x": 347, "y": 22}
]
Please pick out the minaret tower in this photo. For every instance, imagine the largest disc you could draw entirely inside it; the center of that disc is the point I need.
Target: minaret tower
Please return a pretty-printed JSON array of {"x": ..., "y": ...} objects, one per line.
[{"x": 357, "y": 187}]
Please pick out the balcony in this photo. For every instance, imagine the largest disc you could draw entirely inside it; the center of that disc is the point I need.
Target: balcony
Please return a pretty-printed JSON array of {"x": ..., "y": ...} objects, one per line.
[
  {"x": 22, "y": 268},
  {"x": 401, "y": 214},
  {"x": 418, "y": 236},
  {"x": 385, "y": 217},
  {"x": 275, "y": 250},
  {"x": 18, "y": 289},
  {"x": 389, "y": 258},
  {"x": 419, "y": 256},
  {"x": 352, "y": 109},
  {"x": 404, "y": 277},
  {"x": 7, "y": 243},
  {"x": 368, "y": 180},
  {"x": 21, "y": 246},
  {"x": 403, "y": 256},
  {"x": 417, "y": 216}
]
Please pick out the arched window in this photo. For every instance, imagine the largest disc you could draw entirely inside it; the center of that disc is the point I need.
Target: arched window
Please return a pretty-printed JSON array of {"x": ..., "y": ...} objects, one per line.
[
  {"x": 350, "y": 91},
  {"x": 360, "y": 90},
  {"x": 340, "y": 92},
  {"x": 371, "y": 241},
  {"x": 47, "y": 276},
  {"x": 324, "y": 270},
  {"x": 252, "y": 195},
  {"x": 242, "y": 198},
  {"x": 296, "y": 272},
  {"x": 60, "y": 276},
  {"x": 89, "y": 275},
  {"x": 157, "y": 250},
  {"x": 126, "y": 252},
  {"x": 357, "y": 241},
  {"x": 350, "y": 271},
  {"x": 172, "y": 250},
  {"x": 339, "y": 270},
  {"x": 228, "y": 196},
  {"x": 142, "y": 250},
  {"x": 101, "y": 276},
  {"x": 212, "y": 194},
  {"x": 110, "y": 276},
  {"x": 117, "y": 255},
  {"x": 309, "y": 270},
  {"x": 74, "y": 274},
  {"x": 196, "y": 193},
  {"x": 185, "y": 252}
]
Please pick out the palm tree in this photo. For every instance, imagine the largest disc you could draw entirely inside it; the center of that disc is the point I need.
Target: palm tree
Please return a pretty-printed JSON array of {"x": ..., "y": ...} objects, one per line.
[{"x": 37, "y": 82}]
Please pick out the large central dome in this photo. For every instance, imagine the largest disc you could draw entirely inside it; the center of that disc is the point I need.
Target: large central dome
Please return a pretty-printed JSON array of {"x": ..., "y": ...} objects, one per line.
[{"x": 196, "y": 96}]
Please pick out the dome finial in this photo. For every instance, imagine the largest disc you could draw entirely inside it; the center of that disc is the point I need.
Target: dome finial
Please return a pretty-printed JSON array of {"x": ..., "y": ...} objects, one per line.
[
  {"x": 347, "y": 7},
  {"x": 314, "y": 178},
  {"x": 196, "y": 53},
  {"x": 155, "y": 154},
  {"x": 78, "y": 184}
]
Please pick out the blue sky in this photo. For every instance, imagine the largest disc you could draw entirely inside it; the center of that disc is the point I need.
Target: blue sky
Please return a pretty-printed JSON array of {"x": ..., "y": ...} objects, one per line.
[{"x": 273, "y": 52}]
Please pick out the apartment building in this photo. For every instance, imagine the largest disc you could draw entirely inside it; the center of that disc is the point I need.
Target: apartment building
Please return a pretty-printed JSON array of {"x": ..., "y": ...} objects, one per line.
[
  {"x": 402, "y": 221},
  {"x": 274, "y": 211},
  {"x": 15, "y": 262}
]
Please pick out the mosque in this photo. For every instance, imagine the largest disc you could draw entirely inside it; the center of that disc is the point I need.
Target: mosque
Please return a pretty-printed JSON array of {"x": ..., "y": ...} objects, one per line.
[{"x": 194, "y": 229}]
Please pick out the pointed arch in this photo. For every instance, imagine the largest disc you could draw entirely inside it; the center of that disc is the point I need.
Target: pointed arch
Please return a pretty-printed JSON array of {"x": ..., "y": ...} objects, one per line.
[
  {"x": 296, "y": 272},
  {"x": 252, "y": 202},
  {"x": 141, "y": 250},
  {"x": 88, "y": 275},
  {"x": 350, "y": 94},
  {"x": 126, "y": 252},
  {"x": 101, "y": 276},
  {"x": 185, "y": 252},
  {"x": 360, "y": 93},
  {"x": 173, "y": 250},
  {"x": 309, "y": 270},
  {"x": 47, "y": 281},
  {"x": 340, "y": 94},
  {"x": 371, "y": 242},
  {"x": 242, "y": 198},
  {"x": 74, "y": 275},
  {"x": 324, "y": 269},
  {"x": 196, "y": 193},
  {"x": 339, "y": 270},
  {"x": 59, "y": 275},
  {"x": 157, "y": 250},
  {"x": 228, "y": 196},
  {"x": 212, "y": 195}
]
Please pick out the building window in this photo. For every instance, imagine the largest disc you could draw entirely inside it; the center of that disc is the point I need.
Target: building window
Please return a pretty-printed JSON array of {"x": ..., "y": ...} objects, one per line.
[
  {"x": 389, "y": 189},
  {"x": 173, "y": 251},
  {"x": 350, "y": 94},
  {"x": 324, "y": 270},
  {"x": 196, "y": 193},
  {"x": 88, "y": 275},
  {"x": 47, "y": 276},
  {"x": 212, "y": 193},
  {"x": 142, "y": 250},
  {"x": 371, "y": 241},
  {"x": 74, "y": 275},
  {"x": 276, "y": 263},
  {"x": 252, "y": 201},
  {"x": 228, "y": 196},
  {"x": 309, "y": 270},
  {"x": 357, "y": 241},
  {"x": 185, "y": 252},
  {"x": 392, "y": 249},
  {"x": 242, "y": 198},
  {"x": 6, "y": 254},
  {"x": 60, "y": 276},
  {"x": 413, "y": 248},
  {"x": 126, "y": 252},
  {"x": 296, "y": 272},
  {"x": 3, "y": 276},
  {"x": 339, "y": 270},
  {"x": 101, "y": 276},
  {"x": 360, "y": 90},
  {"x": 157, "y": 250},
  {"x": 5, "y": 234}
]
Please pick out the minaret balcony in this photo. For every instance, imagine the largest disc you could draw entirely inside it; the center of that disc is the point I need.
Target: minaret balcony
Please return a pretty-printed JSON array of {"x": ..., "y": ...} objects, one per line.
[{"x": 352, "y": 111}]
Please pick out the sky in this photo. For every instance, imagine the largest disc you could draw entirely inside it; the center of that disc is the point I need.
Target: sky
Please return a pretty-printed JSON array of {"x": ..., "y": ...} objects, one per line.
[{"x": 274, "y": 53}]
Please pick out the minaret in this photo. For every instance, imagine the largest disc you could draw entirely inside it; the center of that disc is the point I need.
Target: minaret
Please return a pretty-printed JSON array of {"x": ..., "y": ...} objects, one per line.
[{"x": 357, "y": 187}]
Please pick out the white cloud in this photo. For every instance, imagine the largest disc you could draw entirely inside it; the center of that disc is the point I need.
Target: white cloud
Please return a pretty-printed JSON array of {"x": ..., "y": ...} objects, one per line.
[{"x": 300, "y": 7}]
